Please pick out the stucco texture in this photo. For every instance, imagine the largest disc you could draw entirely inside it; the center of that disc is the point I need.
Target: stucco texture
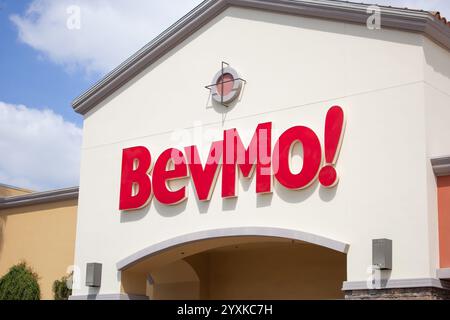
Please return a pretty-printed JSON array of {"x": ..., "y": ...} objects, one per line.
[{"x": 43, "y": 236}]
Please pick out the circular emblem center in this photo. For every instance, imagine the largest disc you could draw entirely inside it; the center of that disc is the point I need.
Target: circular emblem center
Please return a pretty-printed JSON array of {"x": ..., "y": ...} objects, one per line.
[{"x": 227, "y": 86}]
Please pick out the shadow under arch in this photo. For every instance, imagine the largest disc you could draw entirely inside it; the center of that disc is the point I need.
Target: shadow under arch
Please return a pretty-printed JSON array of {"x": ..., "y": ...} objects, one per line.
[
  {"x": 177, "y": 280},
  {"x": 214, "y": 238}
]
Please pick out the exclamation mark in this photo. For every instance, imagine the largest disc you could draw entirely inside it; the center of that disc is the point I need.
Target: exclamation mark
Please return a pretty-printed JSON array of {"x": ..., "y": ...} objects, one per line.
[{"x": 334, "y": 128}]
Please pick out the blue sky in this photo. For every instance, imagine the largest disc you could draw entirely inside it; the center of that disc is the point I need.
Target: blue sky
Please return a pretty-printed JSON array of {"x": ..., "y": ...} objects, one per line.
[
  {"x": 50, "y": 53},
  {"x": 27, "y": 78},
  {"x": 34, "y": 79}
]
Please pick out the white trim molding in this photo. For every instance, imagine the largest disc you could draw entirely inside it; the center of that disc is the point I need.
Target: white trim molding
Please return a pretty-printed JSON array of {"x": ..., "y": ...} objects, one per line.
[
  {"x": 398, "y": 284},
  {"x": 113, "y": 296},
  {"x": 231, "y": 232}
]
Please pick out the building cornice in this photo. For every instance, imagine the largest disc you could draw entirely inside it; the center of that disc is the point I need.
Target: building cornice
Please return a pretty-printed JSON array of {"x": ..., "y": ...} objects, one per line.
[
  {"x": 39, "y": 198},
  {"x": 419, "y": 21},
  {"x": 231, "y": 232},
  {"x": 441, "y": 166}
]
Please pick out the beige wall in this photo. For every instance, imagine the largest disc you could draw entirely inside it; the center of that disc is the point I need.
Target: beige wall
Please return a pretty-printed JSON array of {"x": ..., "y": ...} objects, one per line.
[
  {"x": 253, "y": 271},
  {"x": 43, "y": 236},
  {"x": 282, "y": 272}
]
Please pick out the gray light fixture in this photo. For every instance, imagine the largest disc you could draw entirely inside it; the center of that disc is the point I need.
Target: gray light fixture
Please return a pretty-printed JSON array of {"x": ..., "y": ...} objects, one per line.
[
  {"x": 382, "y": 253},
  {"x": 93, "y": 274}
]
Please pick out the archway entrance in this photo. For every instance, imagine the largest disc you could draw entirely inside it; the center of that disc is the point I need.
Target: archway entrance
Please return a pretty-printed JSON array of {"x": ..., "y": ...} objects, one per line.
[{"x": 239, "y": 267}]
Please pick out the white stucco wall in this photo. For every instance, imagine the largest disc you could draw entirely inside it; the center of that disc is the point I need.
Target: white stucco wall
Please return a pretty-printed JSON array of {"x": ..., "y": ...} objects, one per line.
[
  {"x": 296, "y": 68},
  {"x": 437, "y": 116}
]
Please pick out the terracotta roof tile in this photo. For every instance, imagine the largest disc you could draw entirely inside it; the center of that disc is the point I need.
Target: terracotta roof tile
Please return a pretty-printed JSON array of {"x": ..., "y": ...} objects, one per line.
[{"x": 437, "y": 14}]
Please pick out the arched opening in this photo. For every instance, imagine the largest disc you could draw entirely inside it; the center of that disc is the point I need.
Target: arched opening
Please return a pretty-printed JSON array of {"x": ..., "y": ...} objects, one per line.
[{"x": 238, "y": 267}]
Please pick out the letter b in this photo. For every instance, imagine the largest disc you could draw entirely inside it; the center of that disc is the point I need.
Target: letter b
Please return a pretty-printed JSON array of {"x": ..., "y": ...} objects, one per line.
[{"x": 135, "y": 185}]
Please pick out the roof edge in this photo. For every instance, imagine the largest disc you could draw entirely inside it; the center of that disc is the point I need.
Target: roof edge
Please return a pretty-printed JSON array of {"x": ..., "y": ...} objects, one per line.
[
  {"x": 210, "y": 234},
  {"x": 441, "y": 166},
  {"x": 150, "y": 53},
  {"x": 403, "y": 19},
  {"x": 8, "y": 186},
  {"x": 39, "y": 198}
]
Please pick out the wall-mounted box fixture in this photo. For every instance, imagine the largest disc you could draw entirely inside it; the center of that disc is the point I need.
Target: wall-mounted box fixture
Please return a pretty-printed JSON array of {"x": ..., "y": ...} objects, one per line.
[
  {"x": 93, "y": 274},
  {"x": 382, "y": 253}
]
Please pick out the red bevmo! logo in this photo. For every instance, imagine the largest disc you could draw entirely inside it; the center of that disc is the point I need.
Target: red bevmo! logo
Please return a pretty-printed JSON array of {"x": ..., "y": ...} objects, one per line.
[{"x": 140, "y": 182}]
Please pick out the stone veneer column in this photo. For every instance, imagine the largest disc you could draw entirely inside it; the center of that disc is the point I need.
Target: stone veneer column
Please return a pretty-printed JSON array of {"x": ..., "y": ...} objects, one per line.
[{"x": 425, "y": 293}]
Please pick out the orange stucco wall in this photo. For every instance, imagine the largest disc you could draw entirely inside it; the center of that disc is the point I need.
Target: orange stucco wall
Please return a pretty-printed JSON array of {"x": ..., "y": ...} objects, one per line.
[
  {"x": 41, "y": 235},
  {"x": 444, "y": 220}
]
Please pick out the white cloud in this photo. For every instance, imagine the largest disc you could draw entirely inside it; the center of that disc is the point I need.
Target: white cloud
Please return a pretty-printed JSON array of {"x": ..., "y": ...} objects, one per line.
[
  {"x": 110, "y": 31},
  {"x": 113, "y": 30},
  {"x": 40, "y": 150}
]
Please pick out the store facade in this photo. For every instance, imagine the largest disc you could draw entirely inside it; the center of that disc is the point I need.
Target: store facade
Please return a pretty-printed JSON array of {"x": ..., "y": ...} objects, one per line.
[{"x": 271, "y": 150}]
